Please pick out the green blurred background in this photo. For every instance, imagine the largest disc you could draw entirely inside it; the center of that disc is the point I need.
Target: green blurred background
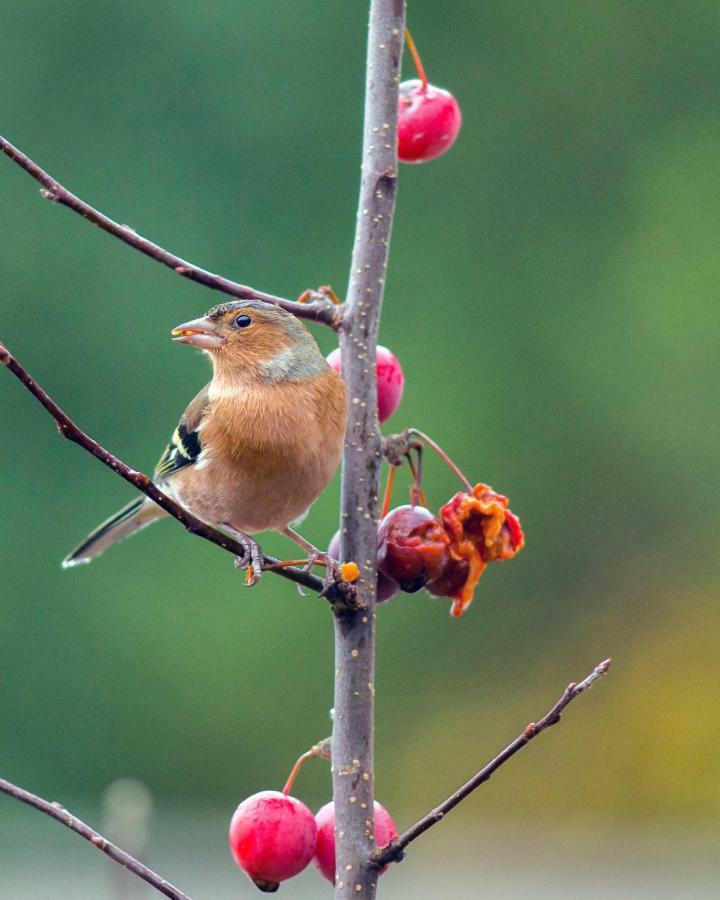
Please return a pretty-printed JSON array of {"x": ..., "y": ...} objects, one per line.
[{"x": 553, "y": 296}]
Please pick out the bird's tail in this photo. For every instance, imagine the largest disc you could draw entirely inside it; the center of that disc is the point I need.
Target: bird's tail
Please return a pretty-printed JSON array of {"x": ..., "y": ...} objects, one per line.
[{"x": 127, "y": 521}]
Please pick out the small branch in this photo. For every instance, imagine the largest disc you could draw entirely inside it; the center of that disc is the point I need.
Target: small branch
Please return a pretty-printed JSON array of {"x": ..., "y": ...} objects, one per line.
[
  {"x": 395, "y": 850},
  {"x": 319, "y": 309},
  {"x": 60, "y": 814},
  {"x": 341, "y": 592}
]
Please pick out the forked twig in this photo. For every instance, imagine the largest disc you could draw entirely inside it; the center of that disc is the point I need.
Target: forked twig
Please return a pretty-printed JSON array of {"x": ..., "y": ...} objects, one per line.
[
  {"x": 395, "y": 850},
  {"x": 319, "y": 309}
]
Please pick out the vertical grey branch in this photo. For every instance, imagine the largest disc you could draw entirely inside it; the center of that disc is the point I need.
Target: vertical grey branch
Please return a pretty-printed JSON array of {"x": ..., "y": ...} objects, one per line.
[{"x": 355, "y": 630}]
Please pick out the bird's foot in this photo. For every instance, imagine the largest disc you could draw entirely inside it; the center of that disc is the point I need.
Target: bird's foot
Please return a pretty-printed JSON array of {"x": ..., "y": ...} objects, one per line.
[
  {"x": 318, "y": 558},
  {"x": 315, "y": 557},
  {"x": 252, "y": 558}
]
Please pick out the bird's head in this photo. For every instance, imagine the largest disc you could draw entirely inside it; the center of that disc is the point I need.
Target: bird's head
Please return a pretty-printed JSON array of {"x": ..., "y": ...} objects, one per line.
[{"x": 254, "y": 339}]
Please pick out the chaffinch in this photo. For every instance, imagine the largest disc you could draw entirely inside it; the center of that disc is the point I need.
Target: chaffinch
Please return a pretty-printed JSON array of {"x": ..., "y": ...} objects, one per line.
[{"x": 258, "y": 444}]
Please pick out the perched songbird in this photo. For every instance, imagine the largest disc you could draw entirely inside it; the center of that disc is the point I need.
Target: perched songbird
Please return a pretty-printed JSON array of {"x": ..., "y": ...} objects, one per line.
[{"x": 258, "y": 444}]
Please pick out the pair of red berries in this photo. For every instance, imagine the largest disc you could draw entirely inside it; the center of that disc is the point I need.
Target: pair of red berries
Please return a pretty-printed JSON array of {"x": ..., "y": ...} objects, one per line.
[{"x": 273, "y": 837}]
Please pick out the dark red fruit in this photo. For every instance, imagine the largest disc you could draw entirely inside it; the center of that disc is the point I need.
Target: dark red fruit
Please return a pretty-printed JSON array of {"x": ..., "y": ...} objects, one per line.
[
  {"x": 324, "y": 858},
  {"x": 390, "y": 380},
  {"x": 272, "y": 837},
  {"x": 452, "y": 580},
  {"x": 412, "y": 547},
  {"x": 429, "y": 121},
  {"x": 385, "y": 588}
]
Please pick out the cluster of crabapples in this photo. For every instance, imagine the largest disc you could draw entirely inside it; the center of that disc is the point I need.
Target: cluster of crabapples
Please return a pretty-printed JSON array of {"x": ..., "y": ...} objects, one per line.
[
  {"x": 445, "y": 553},
  {"x": 274, "y": 836}
]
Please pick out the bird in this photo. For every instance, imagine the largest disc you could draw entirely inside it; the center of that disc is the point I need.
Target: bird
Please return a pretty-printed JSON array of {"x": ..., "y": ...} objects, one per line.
[{"x": 257, "y": 445}]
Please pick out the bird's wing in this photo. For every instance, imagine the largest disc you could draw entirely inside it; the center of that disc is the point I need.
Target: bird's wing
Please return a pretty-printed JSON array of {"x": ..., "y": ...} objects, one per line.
[{"x": 185, "y": 445}]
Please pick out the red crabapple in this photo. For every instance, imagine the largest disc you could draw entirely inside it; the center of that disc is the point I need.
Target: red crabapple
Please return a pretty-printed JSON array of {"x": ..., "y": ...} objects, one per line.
[
  {"x": 390, "y": 380},
  {"x": 272, "y": 837},
  {"x": 385, "y": 588},
  {"x": 429, "y": 121},
  {"x": 324, "y": 859}
]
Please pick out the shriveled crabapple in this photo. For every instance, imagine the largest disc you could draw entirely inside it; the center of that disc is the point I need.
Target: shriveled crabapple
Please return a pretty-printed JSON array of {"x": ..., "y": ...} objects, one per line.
[
  {"x": 272, "y": 837},
  {"x": 412, "y": 547},
  {"x": 390, "y": 379},
  {"x": 429, "y": 121},
  {"x": 385, "y": 588},
  {"x": 324, "y": 858},
  {"x": 481, "y": 530}
]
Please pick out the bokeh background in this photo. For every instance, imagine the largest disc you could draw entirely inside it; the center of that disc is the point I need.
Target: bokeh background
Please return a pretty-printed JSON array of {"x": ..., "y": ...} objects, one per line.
[{"x": 553, "y": 296}]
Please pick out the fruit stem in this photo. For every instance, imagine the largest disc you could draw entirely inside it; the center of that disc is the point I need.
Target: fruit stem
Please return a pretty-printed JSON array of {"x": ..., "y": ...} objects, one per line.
[
  {"x": 417, "y": 494},
  {"x": 320, "y": 749},
  {"x": 443, "y": 456},
  {"x": 295, "y": 769},
  {"x": 416, "y": 59},
  {"x": 388, "y": 492},
  {"x": 286, "y": 563}
]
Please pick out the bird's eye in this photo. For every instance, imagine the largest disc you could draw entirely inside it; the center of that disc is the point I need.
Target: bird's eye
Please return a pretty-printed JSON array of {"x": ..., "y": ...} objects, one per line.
[{"x": 243, "y": 321}]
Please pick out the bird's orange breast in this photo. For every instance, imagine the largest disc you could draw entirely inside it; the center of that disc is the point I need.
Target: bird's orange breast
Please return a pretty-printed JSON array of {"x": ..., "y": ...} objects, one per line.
[{"x": 269, "y": 450}]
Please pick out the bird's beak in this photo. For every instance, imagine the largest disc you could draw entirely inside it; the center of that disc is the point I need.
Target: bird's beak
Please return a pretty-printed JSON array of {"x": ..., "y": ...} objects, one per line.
[{"x": 203, "y": 333}]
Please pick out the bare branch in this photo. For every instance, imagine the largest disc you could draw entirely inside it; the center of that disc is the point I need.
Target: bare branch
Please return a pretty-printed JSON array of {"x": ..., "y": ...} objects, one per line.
[
  {"x": 319, "y": 309},
  {"x": 395, "y": 850},
  {"x": 60, "y": 814},
  {"x": 353, "y": 728},
  {"x": 339, "y": 592}
]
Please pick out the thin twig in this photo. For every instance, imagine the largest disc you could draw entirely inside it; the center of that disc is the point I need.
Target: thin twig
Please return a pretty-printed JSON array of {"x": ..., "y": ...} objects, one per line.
[
  {"x": 396, "y": 449},
  {"x": 353, "y": 725},
  {"x": 395, "y": 850},
  {"x": 319, "y": 309},
  {"x": 443, "y": 456},
  {"x": 68, "y": 429},
  {"x": 60, "y": 814}
]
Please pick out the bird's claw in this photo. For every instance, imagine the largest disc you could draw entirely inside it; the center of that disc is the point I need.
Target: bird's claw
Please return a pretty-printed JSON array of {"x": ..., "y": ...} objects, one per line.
[
  {"x": 252, "y": 558},
  {"x": 252, "y": 575},
  {"x": 318, "y": 558},
  {"x": 333, "y": 575}
]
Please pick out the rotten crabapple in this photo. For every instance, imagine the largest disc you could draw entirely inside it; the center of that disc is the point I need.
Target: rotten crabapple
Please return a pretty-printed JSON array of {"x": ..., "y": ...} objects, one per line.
[
  {"x": 272, "y": 837},
  {"x": 324, "y": 858},
  {"x": 412, "y": 547},
  {"x": 429, "y": 121},
  {"x": 390, "y": 379},
  {"x": 451, "y": 580}
]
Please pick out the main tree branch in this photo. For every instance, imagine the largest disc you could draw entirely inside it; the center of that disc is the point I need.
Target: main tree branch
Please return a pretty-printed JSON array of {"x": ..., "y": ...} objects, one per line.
[
  {"x": 395, "y": 850},
  {"x": 60, "y": 814},
  {"x": 352, "y": 741},
  {"x": 319, "y": 309},
  {"x": 68, "y": 429}
]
